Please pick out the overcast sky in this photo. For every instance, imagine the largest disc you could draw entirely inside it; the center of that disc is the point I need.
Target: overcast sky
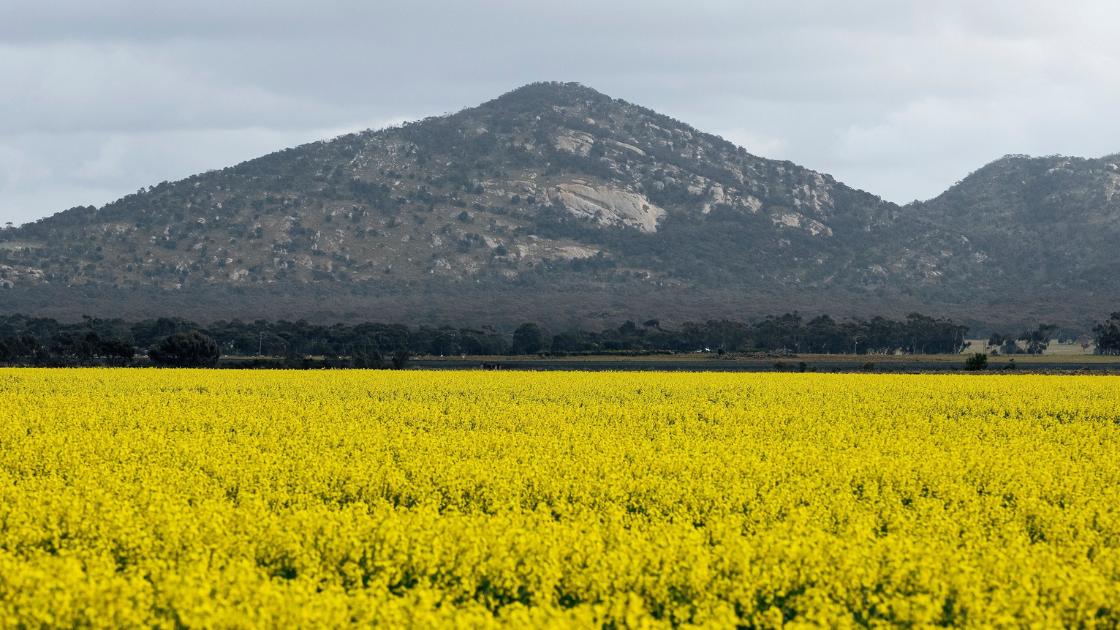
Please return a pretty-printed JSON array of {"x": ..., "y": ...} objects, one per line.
[{"x": 898, "y": 98}]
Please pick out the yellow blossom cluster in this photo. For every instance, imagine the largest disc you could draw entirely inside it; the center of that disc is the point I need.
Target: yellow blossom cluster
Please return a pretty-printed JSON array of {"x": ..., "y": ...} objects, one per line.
[{"x": 321, "y": 499}]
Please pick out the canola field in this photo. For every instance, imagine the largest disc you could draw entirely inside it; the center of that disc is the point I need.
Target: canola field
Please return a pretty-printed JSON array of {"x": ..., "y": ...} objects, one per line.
[{"x": 418, "y": 499}]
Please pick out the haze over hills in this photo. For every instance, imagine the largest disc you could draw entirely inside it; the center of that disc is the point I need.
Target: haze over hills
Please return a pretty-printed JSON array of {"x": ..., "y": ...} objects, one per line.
[{"x": 557, "y": 203}]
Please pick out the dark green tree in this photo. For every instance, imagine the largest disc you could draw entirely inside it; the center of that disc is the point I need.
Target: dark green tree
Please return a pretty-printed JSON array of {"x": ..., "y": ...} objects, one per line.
[
  {"x": 1004, "y": 344},
  {"x": 1108, "y": 335},
  {"x": 401, "y": 359},
  {"x": 366, "y": 358},
  {"x": 1036, "y": 341},
  {"x": 529, "y": 338},
  {"x": 115, "y": 351},
  {"x": 185, "y": 349}
]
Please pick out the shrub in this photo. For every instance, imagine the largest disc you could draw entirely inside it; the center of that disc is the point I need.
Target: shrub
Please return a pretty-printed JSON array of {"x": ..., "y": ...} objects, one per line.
[
  {"x": 400, "y": 359},
  {"x": 976, "y": 362}
]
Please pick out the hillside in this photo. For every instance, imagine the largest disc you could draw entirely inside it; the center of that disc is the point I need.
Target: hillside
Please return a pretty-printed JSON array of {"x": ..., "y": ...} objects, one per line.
[
  {"x": 557, "y": 202},
  {"x": 1037, "y": 225}
]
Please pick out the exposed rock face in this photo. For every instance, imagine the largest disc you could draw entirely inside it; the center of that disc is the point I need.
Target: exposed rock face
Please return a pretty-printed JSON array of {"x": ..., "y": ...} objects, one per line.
[
  {"x": 11, "y": 276},
  {"x": 577, "y": 142},
  {"x": 557, "y": 186},
  {"x": 609, "y": 206},
  {"x": 551, "y": 250}
]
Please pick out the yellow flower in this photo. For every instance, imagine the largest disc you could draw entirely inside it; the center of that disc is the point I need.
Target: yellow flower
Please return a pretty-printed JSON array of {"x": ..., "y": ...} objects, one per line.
[{"x": 323, "y": 499}]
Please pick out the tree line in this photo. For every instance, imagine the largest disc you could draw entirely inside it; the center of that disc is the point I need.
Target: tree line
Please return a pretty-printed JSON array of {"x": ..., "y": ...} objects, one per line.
[
  {"x": 171, "y": 341},
  {"x": 28, "y": 340}
]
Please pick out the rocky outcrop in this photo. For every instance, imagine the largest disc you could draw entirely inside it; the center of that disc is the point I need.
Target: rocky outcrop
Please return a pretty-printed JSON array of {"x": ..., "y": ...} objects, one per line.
[
  {"x": 577, "y": 142},
  {"x": 609, "y": 206},
  {"x": 11, "y": 276}
]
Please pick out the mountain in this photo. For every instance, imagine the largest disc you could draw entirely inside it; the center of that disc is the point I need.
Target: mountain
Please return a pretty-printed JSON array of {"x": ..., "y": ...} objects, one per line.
[
  {"x": 1036, "y": 226},
  {"x": 558, "y": 203}
]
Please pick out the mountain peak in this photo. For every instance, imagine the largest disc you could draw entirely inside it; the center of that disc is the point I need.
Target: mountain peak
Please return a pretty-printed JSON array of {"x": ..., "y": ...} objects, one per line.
[{"x": 548, "y": 93}]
